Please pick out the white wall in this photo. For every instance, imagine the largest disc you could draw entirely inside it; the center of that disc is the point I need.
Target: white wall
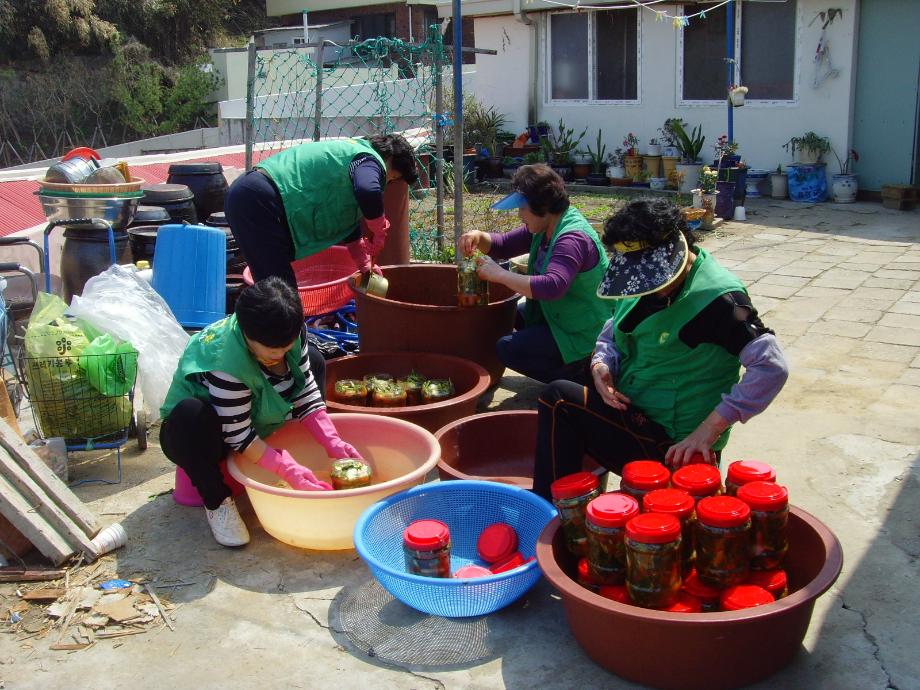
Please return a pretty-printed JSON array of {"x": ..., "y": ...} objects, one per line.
[{"x": 761, "y": 129}]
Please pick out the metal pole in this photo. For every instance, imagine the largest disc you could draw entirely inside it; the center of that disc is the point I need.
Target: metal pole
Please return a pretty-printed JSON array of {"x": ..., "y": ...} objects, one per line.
[
  {"x": 458, "y": 126},
  {"x": 439, "y": 146},
  {"x": 730, "y": 62},
  {"x": 318, "y": 106},
  {"x": 250, "y": 99}
]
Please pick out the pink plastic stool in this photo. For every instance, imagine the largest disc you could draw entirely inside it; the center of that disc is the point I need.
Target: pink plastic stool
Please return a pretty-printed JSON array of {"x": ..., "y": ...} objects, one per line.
[{"x": 185, "y": 493}]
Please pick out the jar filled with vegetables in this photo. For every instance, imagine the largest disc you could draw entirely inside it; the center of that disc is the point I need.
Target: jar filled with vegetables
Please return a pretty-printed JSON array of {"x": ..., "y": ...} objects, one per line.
[
  {"x": 350, "y": 392},
  {"x": 709, "y": 596},
  {"x": 699, "y": 481},
  {"x": 585, "y": 578},
  {"x": 571, "y": 496},
  {"x": 412, "y": 384},
  {"x": 605, "y": 526},
  {"x": 723, "y": 538},
  {"x": 776, "y": 582},
  {"x": 769, "y": 519},
  {"x": 745, "y": 597},
  {"x": 680, "y": 504},
  {"x": 653, "y": 560},
  {"x": 426, "y": 545},
  {"x": 472, "y": 291},
  {"x": 743, "y": 472},
  {"x": 641, "y": 476}
]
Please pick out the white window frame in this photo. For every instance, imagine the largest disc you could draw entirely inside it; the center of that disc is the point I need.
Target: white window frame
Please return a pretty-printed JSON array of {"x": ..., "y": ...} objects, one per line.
[
  {"x": 546, "y": 37},
  {"x": 299, "y": 40},
  {"x": 755, "y": 102}
]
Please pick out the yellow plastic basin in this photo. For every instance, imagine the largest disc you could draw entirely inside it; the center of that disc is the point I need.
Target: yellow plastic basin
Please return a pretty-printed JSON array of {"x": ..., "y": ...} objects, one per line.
[{"x": 400, "y": 455}]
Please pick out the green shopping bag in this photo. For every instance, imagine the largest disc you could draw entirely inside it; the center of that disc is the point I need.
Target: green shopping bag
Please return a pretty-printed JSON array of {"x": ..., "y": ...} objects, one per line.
[{"x": 110, "y": 367}]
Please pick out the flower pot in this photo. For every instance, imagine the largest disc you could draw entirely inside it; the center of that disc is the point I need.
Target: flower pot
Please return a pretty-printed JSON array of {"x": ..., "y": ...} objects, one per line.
[
  {"x": 657, "y": 182},
  {"x": 697, "y": 198},
  {"x": 736, "y": 98},
  {"x": 597, "y": 180},
  {"x": 653, "y": 150},
  {"x": 755, "y": 183},
  {"x": 807, "y": 183},
  {"x": 633, "y": 166},
  {"x": 496, "y": 167},
  {"x": 690, "y": 176},
  {"x": 778, "y": 185},
  {"x": 845, "y": 188},
  {"x": 669, "y": 168},
  {"x": 670, "y": 151},
  {"x": 652, "y": 165},
  {"x": 620, "y": 181},
  {"x": 807, "y": 156},
  {"x": 708, "y": 200},
  {"x": 581, "y": 170},
  {"x": 616, "y": 171},
  {"x": 564, "y": 171},
  {"x": 725, "y": 202},
  {"x": 640, "y": 184}
]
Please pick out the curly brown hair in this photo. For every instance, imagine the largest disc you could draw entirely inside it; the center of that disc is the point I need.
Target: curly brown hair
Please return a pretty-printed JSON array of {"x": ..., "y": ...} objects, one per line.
[
  {"x": 543, "y": 188},
  {"x": 647, "y": 220}
]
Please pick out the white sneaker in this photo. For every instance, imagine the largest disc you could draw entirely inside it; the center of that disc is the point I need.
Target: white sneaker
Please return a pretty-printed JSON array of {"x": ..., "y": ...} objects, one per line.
[{"x": 227, "y": 525}]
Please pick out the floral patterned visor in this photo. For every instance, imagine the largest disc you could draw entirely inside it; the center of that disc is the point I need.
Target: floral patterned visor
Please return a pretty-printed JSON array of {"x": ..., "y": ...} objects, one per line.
[{"x": 638, "y": 268}]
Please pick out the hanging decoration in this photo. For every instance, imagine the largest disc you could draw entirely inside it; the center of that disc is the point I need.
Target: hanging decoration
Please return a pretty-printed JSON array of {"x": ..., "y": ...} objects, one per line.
[
  {"x": 678, "y": 21},
  {"x": 824, "y": 68}
]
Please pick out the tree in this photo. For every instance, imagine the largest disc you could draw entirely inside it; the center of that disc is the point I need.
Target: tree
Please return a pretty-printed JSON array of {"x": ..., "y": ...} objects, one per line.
[
  {"x": 53, "y": 27},
  {"x": 185, "y": 100}
]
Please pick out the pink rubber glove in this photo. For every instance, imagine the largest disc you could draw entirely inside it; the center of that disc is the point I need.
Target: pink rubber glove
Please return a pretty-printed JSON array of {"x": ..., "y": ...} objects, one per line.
[
  {"x": 359, "y": 254},
  {"x": 378, "y": 228},
  {"x": 296, "y": 475},
  {"x": 323, "y": 430}
]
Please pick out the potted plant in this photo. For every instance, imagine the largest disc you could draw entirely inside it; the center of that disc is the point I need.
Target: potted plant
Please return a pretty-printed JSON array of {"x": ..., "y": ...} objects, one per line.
[
  {"x": 689, "y": 146},
  {"x": 534, "y": 157},
  {"x": 845, "y": 184},
  {"x": 778, "y": 183},
  {"x": 598, "y": 154},
  {"x": 653, "y": 148},
  {"x": 736, "y": 95},
  {"x": 706, "y": 194},
  {"x": 726, "y": 153},
  {"x": 616, "y": 171},
  {"x": 560, "y": 146},
  {"x": 510, "y": 164},
  {"x": 484, "y": 126},
  {"x": 811, "y": 147},
  {"x": 632, "y": 160},
  {"x": 642, "y": 179},
  {"x": 668, "y": 138},
  {"x": 581, "y": 165}
]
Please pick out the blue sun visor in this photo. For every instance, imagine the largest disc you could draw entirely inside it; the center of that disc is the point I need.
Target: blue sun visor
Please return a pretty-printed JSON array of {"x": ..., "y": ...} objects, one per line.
[{"x": 510, "y": 202}]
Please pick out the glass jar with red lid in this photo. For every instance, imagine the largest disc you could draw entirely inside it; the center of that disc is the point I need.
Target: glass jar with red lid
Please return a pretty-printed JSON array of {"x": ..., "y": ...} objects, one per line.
[
  {"x": 605, "y": 525},
  {"x": 653, "y": 560},
  {"x": 585, "y": 578},
  {"x": 708, "y": 596},
  {"x": 571, "y": 496},
  {"x": 698, "y": 480},
  {"x": 774, "y": 581},
  {"x": 769, "y": 504},
  {"x": 745, "y": 597},
  {"x": 742, "y": 472},
  {"x": 686, "y": 603},
  {"x": 723, "y": 540},
  {"x": 426, "y": 544},
  {"x": 680, "y": 504},
  {"x": 641, "y": 476}
]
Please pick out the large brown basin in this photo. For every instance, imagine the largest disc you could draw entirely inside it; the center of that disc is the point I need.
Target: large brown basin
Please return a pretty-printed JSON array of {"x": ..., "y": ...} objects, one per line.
[
  {"x": 420, "y": 314},
  {"x": 698, "y": 650},
  {"x": 493, "y": 446},
  {"x": 470, "y": 382}
]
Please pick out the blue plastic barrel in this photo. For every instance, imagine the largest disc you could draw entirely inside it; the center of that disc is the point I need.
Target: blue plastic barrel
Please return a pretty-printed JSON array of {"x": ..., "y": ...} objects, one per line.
[
  {"x": 190, "y": 268},
  {"x": 807, "y": 182}
]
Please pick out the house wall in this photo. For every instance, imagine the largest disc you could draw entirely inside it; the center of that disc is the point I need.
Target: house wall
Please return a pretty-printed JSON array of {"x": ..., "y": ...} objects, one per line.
[
  {"x": 503, "y": 79},
  {"x": 761, "y": 129},
  {"x": 231, "y": 64}
]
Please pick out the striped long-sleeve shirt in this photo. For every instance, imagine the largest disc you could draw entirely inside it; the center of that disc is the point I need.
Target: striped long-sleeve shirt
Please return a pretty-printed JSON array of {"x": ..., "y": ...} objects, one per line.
[{"x": 232, "y": 399}]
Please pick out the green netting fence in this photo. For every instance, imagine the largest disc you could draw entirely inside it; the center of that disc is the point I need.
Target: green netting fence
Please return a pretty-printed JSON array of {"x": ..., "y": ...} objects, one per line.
[{"x": 377, "y": 86}]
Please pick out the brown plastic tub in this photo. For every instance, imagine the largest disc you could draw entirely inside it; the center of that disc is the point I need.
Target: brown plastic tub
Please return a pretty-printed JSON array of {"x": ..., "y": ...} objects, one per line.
[
  {"x": 420, "y": 314},
  {"x": 493, "y": 446},
  {"x": 470, "y": 382},
  {"x": 698, "y": 650}
]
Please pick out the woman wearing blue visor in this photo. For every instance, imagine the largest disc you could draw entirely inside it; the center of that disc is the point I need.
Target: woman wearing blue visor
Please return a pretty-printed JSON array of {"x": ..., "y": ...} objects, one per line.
[{"x": 560, "y": 320}]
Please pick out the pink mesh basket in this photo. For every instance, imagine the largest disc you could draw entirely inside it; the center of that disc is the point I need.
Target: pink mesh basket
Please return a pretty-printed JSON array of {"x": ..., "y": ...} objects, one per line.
[{"x": 322, "y": 280}]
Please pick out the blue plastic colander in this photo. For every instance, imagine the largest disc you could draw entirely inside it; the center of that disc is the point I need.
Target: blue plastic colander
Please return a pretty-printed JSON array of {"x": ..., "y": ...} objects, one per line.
[{"x": 466, "y": 507}]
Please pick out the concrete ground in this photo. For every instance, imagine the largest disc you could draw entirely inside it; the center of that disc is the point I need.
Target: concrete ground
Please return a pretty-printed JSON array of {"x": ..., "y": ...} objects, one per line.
[{"x": 840, "y": 285}]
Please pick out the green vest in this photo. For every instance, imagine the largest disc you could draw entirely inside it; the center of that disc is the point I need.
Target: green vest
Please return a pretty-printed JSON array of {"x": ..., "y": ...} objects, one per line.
[
  {"x": 577, "y": 317},
  {"x": 220, "y": 347},
  {"x": 675, "y": 385},
  {"x": 317, "y": 192}
]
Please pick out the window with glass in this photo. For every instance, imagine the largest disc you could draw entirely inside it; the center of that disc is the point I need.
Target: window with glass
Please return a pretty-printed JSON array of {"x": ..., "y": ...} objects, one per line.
[
  {"x": 594, "y": 55},
  {"x": 764, "y": 51}
]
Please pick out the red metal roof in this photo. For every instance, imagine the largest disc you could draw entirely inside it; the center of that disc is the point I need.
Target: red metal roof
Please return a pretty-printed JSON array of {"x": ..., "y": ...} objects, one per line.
[{"x": 20, "y": 209}]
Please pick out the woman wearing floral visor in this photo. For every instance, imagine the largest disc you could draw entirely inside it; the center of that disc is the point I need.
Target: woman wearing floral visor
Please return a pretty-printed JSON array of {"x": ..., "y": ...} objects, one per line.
[{"x": 666, "y": 367}]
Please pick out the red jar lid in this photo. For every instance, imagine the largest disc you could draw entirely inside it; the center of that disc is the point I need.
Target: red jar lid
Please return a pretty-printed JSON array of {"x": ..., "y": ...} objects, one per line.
[
  {"x": 617, "y": 593},
  {"x": 653, "y": 528},
  {"x": 697, "y": 480},
  {"x": 573, "y": 485},
  {"x": 646, "y": 474},
  {"x": 471, "y": 571},
  {"x": 693, "y": 585},
  {"x": 426, "y": 535},
  {"x": 516, "y": 560},
  {"x": 686, "y": 603},
  {"x": 745, "y": 597},
  {"x": 774, "y": 581},
  {"x": 675, "y": 502},
  {"x": 584, "y": 573},
  {"x": 722, "y": 511},
  {"x": 497, "y": 542},
  {"x": 612, "y": 510},
  {"x": 744, "y": 471},
  {"x": 765, "y": 496}
]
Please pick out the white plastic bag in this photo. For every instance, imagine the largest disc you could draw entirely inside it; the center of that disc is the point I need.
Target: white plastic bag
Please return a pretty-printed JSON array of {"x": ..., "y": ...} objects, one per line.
[{"x": 120, "y": 302}]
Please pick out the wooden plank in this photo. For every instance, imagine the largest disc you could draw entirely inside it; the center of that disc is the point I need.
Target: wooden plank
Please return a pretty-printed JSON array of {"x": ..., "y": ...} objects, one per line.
[
  {"x": 44, "y": 594},
  {"x": 45, "y": 505},
  {"x": 6, "y": 407},
  {"x": 42, "y": 475},
  {"x": 36, "y": 575},
  {"x": 33, "y": 526}
]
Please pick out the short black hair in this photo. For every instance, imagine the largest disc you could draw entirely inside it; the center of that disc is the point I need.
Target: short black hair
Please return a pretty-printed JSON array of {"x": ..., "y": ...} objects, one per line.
[
  {"x": 544, "y": 189},
  {"x": 400, "y": 152},
  {"x": 270, "y": 312},
  {"x": 647, "y": 220}
]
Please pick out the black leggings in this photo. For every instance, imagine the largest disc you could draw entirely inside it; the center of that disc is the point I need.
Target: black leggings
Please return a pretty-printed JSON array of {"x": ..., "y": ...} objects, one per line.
[{"x": 192, "y": 437}]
